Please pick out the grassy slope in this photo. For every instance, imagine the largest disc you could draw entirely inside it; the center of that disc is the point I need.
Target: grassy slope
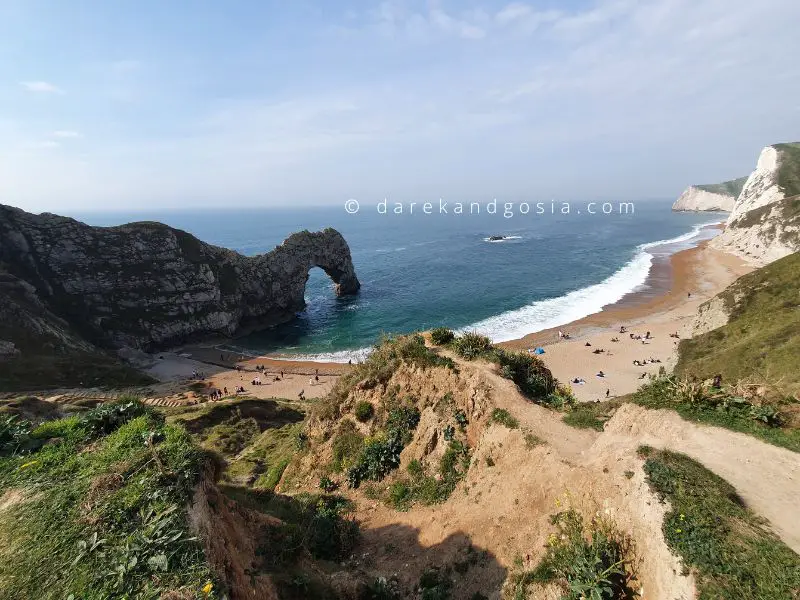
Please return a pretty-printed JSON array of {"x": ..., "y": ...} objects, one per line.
[
  {"x": 727, "y": 547},
  {"x": 762, "y": 337},
  {"x": 789, "y": 168},
  {"x": 101, "y": 516},
  {"x": 732, "y": 188}
]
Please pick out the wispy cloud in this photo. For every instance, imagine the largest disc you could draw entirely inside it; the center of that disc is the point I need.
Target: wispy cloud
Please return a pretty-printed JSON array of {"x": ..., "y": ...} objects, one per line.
[
  {"x": 66, "y": 133},
  {"x": 41, "y": 87}
]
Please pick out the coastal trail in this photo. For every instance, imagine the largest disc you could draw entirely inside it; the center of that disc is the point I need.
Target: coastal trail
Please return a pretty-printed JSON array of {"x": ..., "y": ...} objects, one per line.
[{"x": 766, "y": 477}]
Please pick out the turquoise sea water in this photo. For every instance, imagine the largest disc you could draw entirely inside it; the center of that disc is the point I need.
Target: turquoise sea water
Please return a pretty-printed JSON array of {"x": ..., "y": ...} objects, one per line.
[{"x": 421, "y": 271}]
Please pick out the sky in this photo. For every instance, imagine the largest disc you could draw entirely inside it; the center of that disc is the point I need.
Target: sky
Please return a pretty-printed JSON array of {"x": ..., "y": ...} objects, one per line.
[{"x": 143, "y": 105}]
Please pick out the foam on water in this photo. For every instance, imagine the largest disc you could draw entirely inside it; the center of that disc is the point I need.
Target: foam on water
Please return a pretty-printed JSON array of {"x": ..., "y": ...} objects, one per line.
[
  {"x": 575, "y": 305},
  {"x": 553, "y": 312}
]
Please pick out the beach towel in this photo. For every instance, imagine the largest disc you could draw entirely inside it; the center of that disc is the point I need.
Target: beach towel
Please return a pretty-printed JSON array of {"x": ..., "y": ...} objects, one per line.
[{"x": 539, "y": 351}]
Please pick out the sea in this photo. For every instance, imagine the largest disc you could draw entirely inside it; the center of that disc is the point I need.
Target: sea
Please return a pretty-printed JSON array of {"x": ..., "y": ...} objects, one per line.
[{"x": 420, "y": 271}]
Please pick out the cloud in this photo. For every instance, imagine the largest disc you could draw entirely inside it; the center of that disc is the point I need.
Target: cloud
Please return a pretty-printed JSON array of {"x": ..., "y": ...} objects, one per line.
[
  {"x": 66, "y": 133},
  {"x": 41, "y": 87}
]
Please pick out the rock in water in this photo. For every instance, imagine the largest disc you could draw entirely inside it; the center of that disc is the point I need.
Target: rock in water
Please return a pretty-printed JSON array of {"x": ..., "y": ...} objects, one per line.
[{"x": 147, "y": 285}]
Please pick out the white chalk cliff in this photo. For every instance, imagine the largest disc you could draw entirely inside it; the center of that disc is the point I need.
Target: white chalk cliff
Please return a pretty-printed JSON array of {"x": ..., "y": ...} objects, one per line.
[
  {"x": 764, "y": 224},
  {"x": 711, "y": 197},
  {"x": 696, "y": 199}
]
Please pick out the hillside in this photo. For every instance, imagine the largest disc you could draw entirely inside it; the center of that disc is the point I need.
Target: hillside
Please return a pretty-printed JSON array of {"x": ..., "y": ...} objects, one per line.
[
  {"x": 761, "y": 338},
  {"x": 764, "y": 224},
  {"x": 727, "y": 188}
]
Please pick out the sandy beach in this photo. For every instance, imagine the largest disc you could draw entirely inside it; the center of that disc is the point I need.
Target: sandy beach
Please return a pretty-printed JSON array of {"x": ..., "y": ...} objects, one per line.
[
  {"x": 676, "y": 286},
  {"x": 676, "y": 289}
]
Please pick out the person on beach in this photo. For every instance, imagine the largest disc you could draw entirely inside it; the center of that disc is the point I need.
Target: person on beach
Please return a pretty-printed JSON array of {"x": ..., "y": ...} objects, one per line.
[
  {"x": 608, "y": 393},
  {"x": 601, "y": 374}
]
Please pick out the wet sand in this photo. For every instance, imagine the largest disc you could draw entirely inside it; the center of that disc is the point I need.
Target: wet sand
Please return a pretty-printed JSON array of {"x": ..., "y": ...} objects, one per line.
[{"x": 677, "y": 287}]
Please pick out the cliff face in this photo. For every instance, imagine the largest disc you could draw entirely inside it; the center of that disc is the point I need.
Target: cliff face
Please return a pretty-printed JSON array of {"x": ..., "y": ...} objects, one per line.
[
  {"x": 715, "y": 196},
  {"x": 147, "y": 285},
  {"x": 697, "y": 199},
  {"x": 764, "y": 224}
]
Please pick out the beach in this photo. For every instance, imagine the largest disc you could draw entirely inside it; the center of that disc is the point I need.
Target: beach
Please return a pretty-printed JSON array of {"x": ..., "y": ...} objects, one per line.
[
  {"x": 665, "y": 306},
  {"x": 676, "y": 288}
]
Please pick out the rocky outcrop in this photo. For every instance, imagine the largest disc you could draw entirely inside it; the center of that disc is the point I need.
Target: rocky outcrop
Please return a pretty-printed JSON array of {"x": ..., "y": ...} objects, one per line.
[
  {"x": 765, "y": 222},
  {"x": 148, "y": 286},
  {"x": 712, "y": 197}
]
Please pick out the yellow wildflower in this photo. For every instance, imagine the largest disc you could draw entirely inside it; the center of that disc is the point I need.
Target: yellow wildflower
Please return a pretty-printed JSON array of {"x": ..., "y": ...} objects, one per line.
[
  {"x": 207, "y": 588},
  {"x": 29, "y": 464},
  {"x": 679, "y": 530}
]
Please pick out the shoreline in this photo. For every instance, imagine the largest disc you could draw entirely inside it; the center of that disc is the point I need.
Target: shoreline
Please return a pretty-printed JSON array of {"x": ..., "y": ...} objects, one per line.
[
  {"x": 664, "y": 310},
  {"x": 662, "y": 306}
]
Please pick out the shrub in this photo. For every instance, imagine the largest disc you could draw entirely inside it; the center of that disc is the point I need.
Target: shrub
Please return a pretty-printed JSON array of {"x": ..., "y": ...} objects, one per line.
[
  {"x": 326, "y": 484},
  {"x": 15, "y": 435},
  {"x": 461, "y": 418},
  {"x": 435, "y": 584},
  {"x": 108, "y": 417},
  {"x": 364, "y": 411},
  {"x": 591, "y": 561},
  {"x": 378, "y": 459},
  {"x": 529, "y": 373},
  {"x": 441, "y": 336},
  {"x": 387, "y": 356},
  {"x": 503, "y": 417},
  {"x": 403, "y": 421},
  {"x": 471, "y": 345},
  {"x": 347, "y": 446}
]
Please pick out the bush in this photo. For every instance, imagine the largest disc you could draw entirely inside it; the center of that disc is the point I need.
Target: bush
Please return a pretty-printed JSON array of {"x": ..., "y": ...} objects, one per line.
[
  {"x": 590, "y": 561},
  {"x": 107, "y": 418},
  {"x": 364, "y": 411},
  {"x": 387, "y": 356},
  {"x": 735, "y": 408},
  {"x": 403, "y": 421},
  {"x": 347, "y": 446},
  {"x": 326, "y": 484},
  {"x": 435, "y": 584},
  {"x": 441, "y": 336},
  {"x": 378, "y": 459},
  {"x": 503, "y": 417},
  {"x": 15, "y": 436},
  {"x": 529, "y": 373},
  {"x": 471, "y": 345}
]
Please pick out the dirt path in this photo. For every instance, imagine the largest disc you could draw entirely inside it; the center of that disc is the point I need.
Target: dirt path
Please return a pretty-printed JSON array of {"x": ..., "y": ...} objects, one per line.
[{"x": 766, "y": 477}]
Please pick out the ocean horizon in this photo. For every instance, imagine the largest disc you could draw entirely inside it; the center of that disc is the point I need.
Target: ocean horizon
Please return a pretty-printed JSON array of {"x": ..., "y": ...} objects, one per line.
[{"x": 420, "y": 271}]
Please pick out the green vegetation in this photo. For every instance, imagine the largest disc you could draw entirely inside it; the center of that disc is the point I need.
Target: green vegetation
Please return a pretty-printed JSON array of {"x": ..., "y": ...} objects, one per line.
[
  {"x": 421, "y": 487},
  {"x": 591, "y": 415},
  {"x": 442, "y": 336},
  {"x": 435, "y": 584},
  {"x": 726, "y": 407},
  {"x": 589, "y": 562},
  {"x": 471, "y": 345},
  {"x": 730, "y": 188},
  {"x": 761, "y": 340},
  {"x": 729, "y": 549},
  {"x": 101, "y": 509},
  {"x": 381, "y": 455},
  {"x": 789, "y": 168},
  {"x": 347, "y": 446},
  {"x": 364, "y": 411},
  {"x": 503, "y": 417},
  {"x": 531, "y": 441},
  {"x": 388, "y": 355}
]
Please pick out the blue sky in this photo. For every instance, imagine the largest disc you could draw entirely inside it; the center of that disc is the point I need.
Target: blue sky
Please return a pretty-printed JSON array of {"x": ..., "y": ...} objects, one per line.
[{"x": 144, "y": 105}]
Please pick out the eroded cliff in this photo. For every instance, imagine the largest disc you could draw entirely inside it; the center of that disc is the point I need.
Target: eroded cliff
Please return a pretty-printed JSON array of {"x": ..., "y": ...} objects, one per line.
[
  {"x": 148, "y": 286},
  {"x": 712, "y": 197},
  {"x": 765, "y": 222}
]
